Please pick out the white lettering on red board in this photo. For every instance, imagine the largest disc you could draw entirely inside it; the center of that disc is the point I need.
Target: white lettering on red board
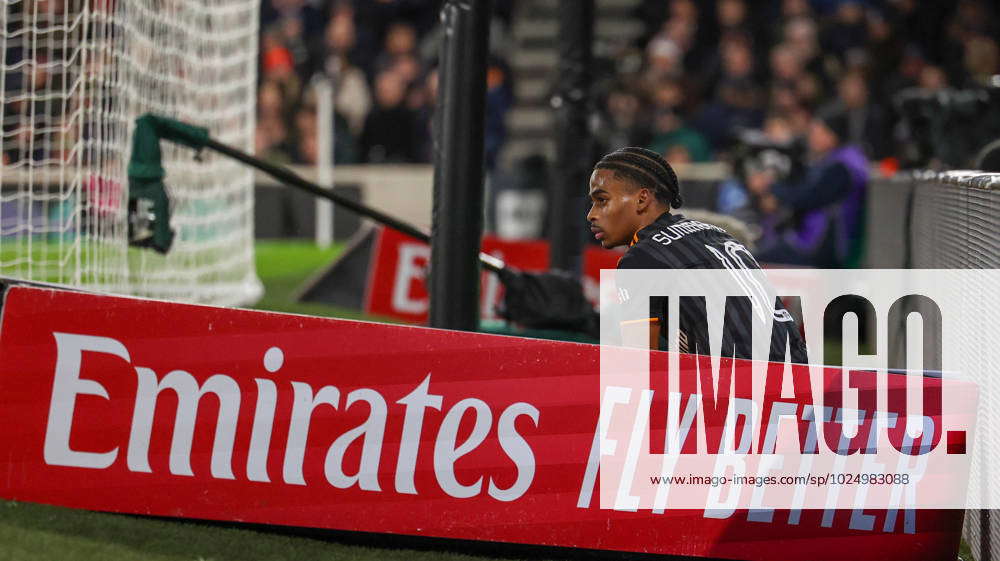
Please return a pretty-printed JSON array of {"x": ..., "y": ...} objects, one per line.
[
  {"x": 410, "y": 266},
  {"x": 67, "y": 385},
  {"x": 447, "y": 447}
]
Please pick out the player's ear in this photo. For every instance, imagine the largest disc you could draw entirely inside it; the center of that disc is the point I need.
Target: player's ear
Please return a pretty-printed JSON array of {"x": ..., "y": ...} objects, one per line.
[{"x": 642, "y": 199}]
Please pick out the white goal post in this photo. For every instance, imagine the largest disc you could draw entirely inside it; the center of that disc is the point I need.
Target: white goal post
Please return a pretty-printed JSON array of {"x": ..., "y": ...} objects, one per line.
[{"x": 74, "y": 75}]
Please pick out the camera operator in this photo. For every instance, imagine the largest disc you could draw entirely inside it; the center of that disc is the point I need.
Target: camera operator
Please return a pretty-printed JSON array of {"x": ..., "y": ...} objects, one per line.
[
  {"x": 945, "y": 128},
  {"x": 774, "y": 149},
  {"x": 816, "y": 220}
]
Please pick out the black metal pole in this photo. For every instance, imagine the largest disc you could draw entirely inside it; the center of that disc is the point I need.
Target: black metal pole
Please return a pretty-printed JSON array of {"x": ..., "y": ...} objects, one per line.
[
  {"x": 458, "y": 166},
  {"x": 288, "y": 176},
  {"x": 574, "y": 152}
]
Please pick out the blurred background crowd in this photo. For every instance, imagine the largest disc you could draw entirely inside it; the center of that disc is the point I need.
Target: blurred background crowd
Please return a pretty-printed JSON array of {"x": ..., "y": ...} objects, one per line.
[
  {"x": 776, "y": 88},
  {"x": 700, "y": 72},
  {"x": 381, "y": 56}
]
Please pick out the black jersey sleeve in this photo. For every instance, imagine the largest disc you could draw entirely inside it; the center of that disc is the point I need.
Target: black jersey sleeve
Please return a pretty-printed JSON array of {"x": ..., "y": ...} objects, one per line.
[
  {"x": 642, "y": 257},
  {"x": 638, "y": 258}
]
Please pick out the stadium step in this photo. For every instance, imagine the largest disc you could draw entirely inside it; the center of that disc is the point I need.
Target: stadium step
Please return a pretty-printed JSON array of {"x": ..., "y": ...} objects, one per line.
[
  {"x": 519, "y": 149},
  {"x": 527, "y": 118},
  {"x": 533, "y": 90},
  {"x": 534, "y": 61},
  {"x": 547, "y": 58},
  {"x": 547, "y": 29}
]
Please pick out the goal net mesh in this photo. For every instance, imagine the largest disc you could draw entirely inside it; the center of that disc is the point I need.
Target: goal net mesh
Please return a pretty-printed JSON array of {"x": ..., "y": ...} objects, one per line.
[{"x": 74, "y": 75}]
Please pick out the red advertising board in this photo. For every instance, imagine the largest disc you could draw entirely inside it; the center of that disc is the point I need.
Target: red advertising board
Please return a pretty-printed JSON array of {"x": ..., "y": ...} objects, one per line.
[
  {"x": 136, "y": 406},
  {"x": 396, "y": 285}
]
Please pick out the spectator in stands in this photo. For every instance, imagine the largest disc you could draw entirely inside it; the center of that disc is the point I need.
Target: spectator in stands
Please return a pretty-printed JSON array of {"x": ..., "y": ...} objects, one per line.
[
  {"x": 667, "y": 94},
  {"x": 809, "y": 90},
  {"x": 968, "y": 33},
  {"x": 789, "y": 76},
  {"x": 278, "y": 64},
  {"x": 621, "y": 121},
  {"x": 306, "y": 135},
  {"x": 907, "y": 74},
  {"x": 816, "y": 221},
  {"x": 866, "y": 121},
  {"x": 670, "y": 132},
  {"x": 352, "y": 96},
  {"x": 291, "y": 34},
  {"x": 731, "y": 16},
  {"x": 400, "y": 39},
  {"x": 684, "y": 36},
  {"x": 361, "y": 46},
  {"x": 388, "y": 135},
  {"x": 400, "y": 43},
  {"x": 277, "y": 59},
  {"x": 737, "y": 100},
  {"x": 785, "y": 103},
  {"x": 887, "y": 51},
  {"x": 423, "y": 102},
  {"x": 932, "y": 78},
  {"x": 28, "y": 140},
  {"x": 791, "y": 9},
  {"x": 786, "y": 66},
  {"x": 271, "y": 101},
  {"x": 272, "y": 139},
  {"x": 676, "y": 141},
  {"x": 499, "y": 98},
  {"x": 378, "y": 15},
  {"x": 801, "y": 34},
  {"x": 973, "y": 17},
  {"x": 663, "y": 59},
  {"x": 847, "y": 32},
  {"x": 306, "y": 17},
  {"x": 657, "y": 14},
  {"x": 732, "y": 71},
  {"x": 787, "y": 11},
  {"x": 305, "y": 147},
  {"x": 982, "y": 60},
  {"x": 799, "y": 118}
]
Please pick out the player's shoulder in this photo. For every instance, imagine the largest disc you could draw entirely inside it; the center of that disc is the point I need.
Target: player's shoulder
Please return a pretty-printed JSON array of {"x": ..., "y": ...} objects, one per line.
[
  {"x": 639, "y": 256},
  {"x": 674, "y": 241}
]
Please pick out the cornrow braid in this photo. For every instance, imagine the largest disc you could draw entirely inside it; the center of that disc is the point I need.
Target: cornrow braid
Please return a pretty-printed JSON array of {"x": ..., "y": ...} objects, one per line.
[{"x": 647, "y": 168}]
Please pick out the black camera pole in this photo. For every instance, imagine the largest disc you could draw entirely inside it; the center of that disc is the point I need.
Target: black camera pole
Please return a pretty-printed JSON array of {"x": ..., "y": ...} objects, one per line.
[
  {"x": 453, "y": 282},
  {"x": 289, "y": 177},
  {"x": 531, "y": 293},
  {"x": 574, "y": 149}
]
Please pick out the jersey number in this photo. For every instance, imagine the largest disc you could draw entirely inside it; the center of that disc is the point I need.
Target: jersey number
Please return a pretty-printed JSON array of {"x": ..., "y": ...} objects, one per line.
[{"x": 741, "y": 264}]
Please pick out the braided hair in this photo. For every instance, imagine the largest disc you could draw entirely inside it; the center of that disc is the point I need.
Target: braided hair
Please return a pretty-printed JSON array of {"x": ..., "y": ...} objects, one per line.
[{"x": 647, "y": 169}]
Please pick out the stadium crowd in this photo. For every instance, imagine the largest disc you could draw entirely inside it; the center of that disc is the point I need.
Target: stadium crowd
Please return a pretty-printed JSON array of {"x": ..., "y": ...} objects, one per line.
[
  {"x": 702, "y": 79},
  {"x": 699, "y": 71},
  {"x": 709, "y": 68},
  {"x": 380, "y": 55}
]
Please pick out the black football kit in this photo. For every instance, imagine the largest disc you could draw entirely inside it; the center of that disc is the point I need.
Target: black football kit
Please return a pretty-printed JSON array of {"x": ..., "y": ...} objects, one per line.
[{"x": 676, "y": 242}]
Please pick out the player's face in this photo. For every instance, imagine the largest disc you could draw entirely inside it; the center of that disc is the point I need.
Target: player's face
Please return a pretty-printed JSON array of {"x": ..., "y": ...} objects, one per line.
[{"x": 613, "y": 215}]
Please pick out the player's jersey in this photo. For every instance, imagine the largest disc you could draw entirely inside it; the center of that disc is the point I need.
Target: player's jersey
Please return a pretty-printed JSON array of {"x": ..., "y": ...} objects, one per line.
[{"x": 676, "y": 242}]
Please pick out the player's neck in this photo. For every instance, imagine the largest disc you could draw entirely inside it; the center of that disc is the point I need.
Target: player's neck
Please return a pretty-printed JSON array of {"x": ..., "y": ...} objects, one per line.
[{"x": 651, "y": 216}]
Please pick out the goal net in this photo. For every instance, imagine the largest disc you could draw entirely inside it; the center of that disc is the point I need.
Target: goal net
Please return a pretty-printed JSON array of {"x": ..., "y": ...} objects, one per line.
[{"x": 74, "y": 75}]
